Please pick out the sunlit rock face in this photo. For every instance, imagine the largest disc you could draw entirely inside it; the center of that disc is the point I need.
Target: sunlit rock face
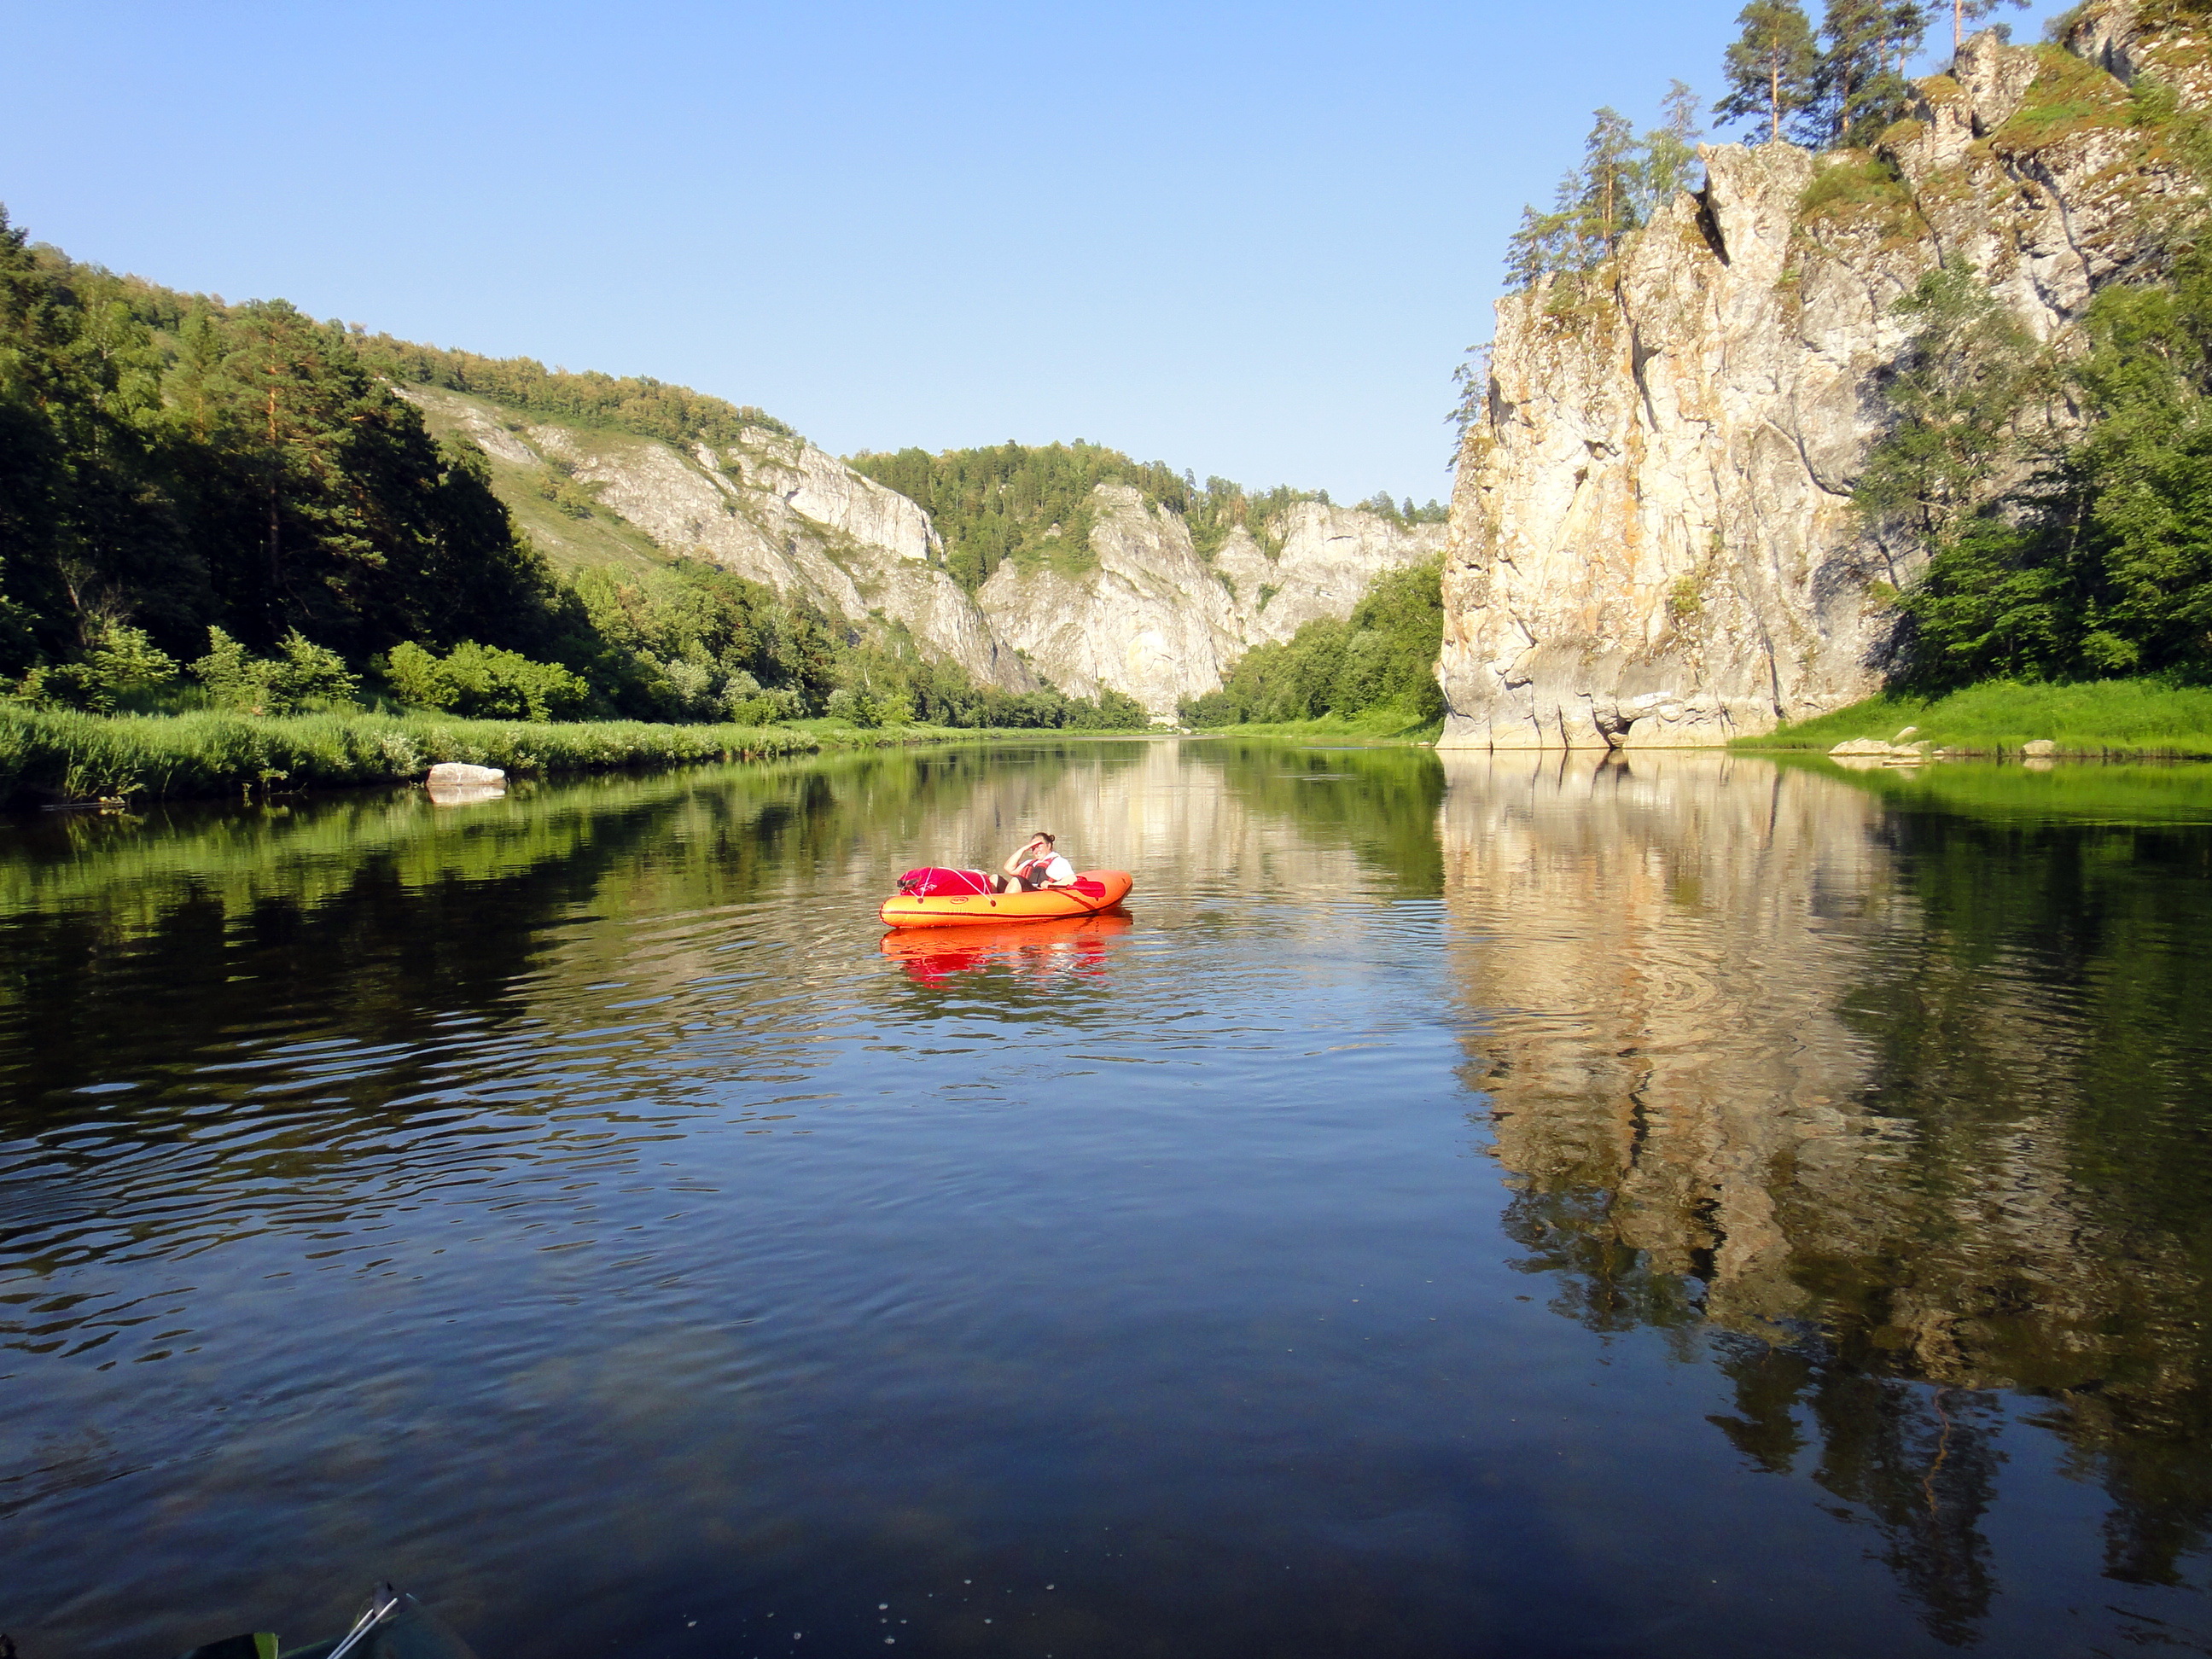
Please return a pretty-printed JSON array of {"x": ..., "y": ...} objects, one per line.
[
  {"x": 1148, "y": 615},
  {"x": 1652, "y": 540},
  {"x": 1873, "y": 1100},
  {"x": 1143, "y": 613}
]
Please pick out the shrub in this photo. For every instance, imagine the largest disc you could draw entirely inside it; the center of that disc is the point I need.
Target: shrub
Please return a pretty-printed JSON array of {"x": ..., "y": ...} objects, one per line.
[
  {"x": 483, "y": 682},
  {"x": 123, "y": 670},
  {"x": 305, "y": 675}
]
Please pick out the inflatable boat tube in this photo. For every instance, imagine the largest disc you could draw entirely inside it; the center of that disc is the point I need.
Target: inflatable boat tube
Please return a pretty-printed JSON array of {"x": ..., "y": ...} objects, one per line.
[{"x": 1093, "y": 890}]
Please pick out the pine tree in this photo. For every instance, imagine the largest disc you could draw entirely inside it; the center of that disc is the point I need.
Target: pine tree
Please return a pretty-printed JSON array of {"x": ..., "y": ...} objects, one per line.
[
  {"x": 1606, "y": 205},
  {"x": 1670, "y": 152},
  {"x": 1860, "y": 84},
  {"x": 1770, "y": 67}
]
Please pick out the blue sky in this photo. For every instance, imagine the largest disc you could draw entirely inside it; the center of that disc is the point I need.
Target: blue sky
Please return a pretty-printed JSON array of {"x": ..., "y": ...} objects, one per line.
[{"x": 1246, "y": 239}]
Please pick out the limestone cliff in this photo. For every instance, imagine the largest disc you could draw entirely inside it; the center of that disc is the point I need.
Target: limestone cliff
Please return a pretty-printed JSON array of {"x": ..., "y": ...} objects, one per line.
[
  {"x": 774, "y": 509},
  {"x": 1652, "y": 542},
  {"x": 1143, "y": 614},
  {"x": 1149, "y": 616}
]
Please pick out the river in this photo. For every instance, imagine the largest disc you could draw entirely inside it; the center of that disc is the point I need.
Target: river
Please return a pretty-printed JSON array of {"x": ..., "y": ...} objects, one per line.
[{"x": 1700, "y": 1206}]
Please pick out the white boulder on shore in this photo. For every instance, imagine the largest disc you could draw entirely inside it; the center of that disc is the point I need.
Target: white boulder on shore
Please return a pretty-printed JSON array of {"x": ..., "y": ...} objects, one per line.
[{"x": 459, "y": 772}]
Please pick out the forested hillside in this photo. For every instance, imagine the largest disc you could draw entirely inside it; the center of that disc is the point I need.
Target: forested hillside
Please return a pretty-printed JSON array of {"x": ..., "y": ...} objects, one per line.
[
  {"x": 1033, "y": 504},
  {"x": 207, "y": 503}
]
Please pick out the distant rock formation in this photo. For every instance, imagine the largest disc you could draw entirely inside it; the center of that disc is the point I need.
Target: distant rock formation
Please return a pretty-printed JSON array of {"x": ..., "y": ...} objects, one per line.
[
  {"x": 1145, "y": 615},
  {"x": 1652, "y": 542},
  {"x": 1152, "y": 618}
]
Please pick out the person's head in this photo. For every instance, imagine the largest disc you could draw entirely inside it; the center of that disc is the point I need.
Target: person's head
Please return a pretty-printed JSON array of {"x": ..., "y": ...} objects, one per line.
[{"x": 1043, "y": 838}]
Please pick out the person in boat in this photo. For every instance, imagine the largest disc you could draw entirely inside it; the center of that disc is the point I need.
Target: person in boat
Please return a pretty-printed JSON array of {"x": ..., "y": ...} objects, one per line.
[{"x": 1033, "y": 864}]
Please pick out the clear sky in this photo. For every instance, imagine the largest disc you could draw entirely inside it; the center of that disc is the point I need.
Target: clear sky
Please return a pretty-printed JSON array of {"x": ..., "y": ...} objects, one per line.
[{"x": 1248, "y": 239}]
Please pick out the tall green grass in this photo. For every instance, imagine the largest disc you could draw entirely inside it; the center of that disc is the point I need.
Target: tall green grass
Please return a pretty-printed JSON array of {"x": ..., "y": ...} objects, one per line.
[
  {"x": 2098, "y": 717},
  {"x": 76, "y": 756}
]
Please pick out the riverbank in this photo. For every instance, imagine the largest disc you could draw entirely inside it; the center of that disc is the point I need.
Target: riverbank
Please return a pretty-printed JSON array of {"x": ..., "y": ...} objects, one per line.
[
  {"x": 61, "y": 757},
  {"x": 2097, "y": 718},
  {"x": 1385, "y": 725}
]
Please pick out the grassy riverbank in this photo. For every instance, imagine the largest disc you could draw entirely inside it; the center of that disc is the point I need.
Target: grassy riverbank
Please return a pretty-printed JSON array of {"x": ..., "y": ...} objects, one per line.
[
  {"x": 2102, "y": 717},
  {"x": 71, "y": 756},
  {"x": 1370, "y": 726}
]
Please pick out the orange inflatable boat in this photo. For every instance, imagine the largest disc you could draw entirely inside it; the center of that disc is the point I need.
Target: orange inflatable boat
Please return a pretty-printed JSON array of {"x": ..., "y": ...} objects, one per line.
[{"x": 1091, "y": 892}]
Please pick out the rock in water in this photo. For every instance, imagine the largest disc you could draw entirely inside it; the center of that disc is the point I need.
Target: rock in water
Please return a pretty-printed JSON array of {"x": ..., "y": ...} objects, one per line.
[
  {"x": 2039, "y": 749},
  {"x": 449, "y": 773},
  {"x": 1652, "y": 536}
]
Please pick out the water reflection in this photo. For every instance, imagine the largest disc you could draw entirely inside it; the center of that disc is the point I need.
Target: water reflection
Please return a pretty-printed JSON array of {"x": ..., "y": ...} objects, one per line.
[
  {"x": 1050, "y": 956},
  {"x": 1908, "y": 1103},
  {"x": 576, "y": 1205}
]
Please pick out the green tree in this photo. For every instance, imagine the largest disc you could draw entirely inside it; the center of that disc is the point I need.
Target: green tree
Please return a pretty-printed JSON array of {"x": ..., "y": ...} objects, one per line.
[
  {"x": 1620, "y": 182},
  {"x": 1669, "y": 163},
  {"x": 1770, "y": 66},
  {"x": 483, "y": 682},
  {"x": 2099, "y": 563},
  {"x": 123, "y": 669},
  {"x": 1960, "y": 390},
  {"x": 1860, "y": 83},
  {"x": 1383, "y": 657},
  {"x": 302, "y": 674}
]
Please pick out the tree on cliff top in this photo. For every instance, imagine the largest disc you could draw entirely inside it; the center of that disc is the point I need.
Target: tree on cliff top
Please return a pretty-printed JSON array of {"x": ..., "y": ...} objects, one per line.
[
  {"x": 1860, "y": 86},
  {"x": 1770, "y": 67},
  {"x": 1622, "y": 181}
]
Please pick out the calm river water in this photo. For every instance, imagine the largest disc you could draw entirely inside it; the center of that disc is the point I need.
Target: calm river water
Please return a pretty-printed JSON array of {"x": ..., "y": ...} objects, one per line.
[{"x": 1697, "y": 1206}]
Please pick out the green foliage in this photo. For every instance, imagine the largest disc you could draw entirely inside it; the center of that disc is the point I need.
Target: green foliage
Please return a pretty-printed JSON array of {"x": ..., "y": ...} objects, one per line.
[
  {"x": 1964, "y": 12},
  {"x": 1961, "y": 390},
  {"x": 1382, "y": 658},
  {"x": 2100, "y": 563},
  {"x": 1854, "y": 183},
  {"x": 2067, "y": 95},
  {"x": 1621, "y": 181},
  {"x": 191, "y": 465},
  {"x": 123, "y": 669},
  {"x": 1031, "y": 504},
  {"x": 80, "y": 756},
  {"x": 1859, "y": 85},
  {"x": 1770, "y": 66},
  {"x": 574, "y": 499},
  {"x": 627, "y": 403},
  {"x": 186, "y": 464},
  {"x": 483, "y": 682},
  {"x": 694, "y": 641},
  {"x": 2140, "y": 716},
  {"x": 303, "y": 675}
]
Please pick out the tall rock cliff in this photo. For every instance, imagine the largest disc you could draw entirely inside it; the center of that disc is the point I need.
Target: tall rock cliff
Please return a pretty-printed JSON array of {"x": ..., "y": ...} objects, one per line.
[
  {"x": 1149, "y": 616},
  {"x": 1144, "y": 614},
  {"x": 1652, "y": 542}
]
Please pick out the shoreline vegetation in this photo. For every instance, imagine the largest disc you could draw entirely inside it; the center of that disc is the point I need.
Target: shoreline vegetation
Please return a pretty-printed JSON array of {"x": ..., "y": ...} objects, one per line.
[
  {"x": 67, "y": 757},
  {"x": 1386, "y": 725},
  {"x": 2139, "y": 719}
]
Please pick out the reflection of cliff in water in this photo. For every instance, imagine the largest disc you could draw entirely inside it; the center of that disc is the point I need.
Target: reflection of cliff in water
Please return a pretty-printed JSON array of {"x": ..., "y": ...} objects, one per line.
[{"x": 1904, "y": 1109}]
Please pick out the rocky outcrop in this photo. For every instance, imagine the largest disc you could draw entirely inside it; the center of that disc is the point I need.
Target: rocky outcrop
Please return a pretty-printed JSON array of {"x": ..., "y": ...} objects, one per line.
[
  {"x": 777, "y": 510},
  {"x": 1652, "y": 540},
  {"x": 1147, "y": 615},
  {"x": 1143, "y": 613}
]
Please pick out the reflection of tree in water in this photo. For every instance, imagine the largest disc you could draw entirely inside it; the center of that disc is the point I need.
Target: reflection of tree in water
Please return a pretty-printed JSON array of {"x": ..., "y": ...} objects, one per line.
[
  {"x": 1927, "y": 1131},
  {"x": 1918, "y": 1463},
  {"x": 1380, "y": 802}
]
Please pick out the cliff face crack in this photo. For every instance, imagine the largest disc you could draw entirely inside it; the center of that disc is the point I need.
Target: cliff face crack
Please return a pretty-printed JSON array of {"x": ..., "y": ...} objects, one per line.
[{"x": 1709, "y": 225}]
